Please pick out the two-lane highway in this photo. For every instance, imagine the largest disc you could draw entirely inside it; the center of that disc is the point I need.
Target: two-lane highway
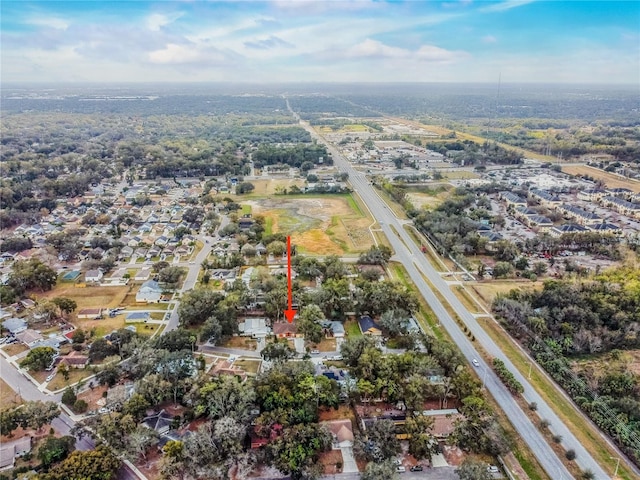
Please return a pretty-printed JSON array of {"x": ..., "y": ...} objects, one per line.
[{"x": 408, "y": 253}]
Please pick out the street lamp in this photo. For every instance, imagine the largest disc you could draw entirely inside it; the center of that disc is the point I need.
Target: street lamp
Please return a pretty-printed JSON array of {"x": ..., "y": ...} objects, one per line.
[{"x": 615, "y": 473}]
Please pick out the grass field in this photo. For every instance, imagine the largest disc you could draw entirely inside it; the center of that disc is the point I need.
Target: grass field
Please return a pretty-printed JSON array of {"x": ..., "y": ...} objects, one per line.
[
  {"x": 319, "y": 225},
  {"x": 610, "y": 179},
  {"x": 488, "y": 291},
  {"x": 459, "y": 175},
  {"x": 101, "y": 327},
  {"x": 352, "y": 329},
  {"x": 269, "y": 186},
  {"x": 75, "y": 375},
  {"x": 89, "y": 297},
  {"x": 8, "y": 398}
]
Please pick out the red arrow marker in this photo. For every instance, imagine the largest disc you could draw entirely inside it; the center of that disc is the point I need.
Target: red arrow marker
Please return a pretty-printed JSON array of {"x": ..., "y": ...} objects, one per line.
[{"x": 289, "y": 312}]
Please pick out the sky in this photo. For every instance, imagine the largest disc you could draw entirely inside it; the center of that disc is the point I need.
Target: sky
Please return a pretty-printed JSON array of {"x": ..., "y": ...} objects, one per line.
[{"x": 320, "y": 41}]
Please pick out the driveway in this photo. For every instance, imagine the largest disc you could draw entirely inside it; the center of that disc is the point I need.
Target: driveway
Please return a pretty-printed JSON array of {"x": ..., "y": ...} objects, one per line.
[{"x": 348, "y": 460}]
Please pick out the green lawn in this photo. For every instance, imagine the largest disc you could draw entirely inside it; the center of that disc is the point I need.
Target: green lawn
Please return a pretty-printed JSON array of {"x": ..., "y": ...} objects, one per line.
[{"x": 352, "y": 329}]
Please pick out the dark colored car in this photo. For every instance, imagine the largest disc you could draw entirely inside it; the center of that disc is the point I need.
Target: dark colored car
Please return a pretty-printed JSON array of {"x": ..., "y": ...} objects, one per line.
[{"x": 417, "y": 468}]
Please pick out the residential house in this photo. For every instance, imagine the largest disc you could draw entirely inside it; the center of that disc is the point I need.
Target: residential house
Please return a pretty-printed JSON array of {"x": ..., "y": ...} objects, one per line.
[
  {"x": 93, "y": 276},
  {"x": 160, "y": 422},
  {"x": 567, "y": 228},
  {"x": 540, "y": 222},
  {"x": 512, "y": 199},
  {"x": 29, "y": 337},
  {"x": 143, "y": 274},
  {"x": 261, "y": 249},
  {"x": 341, "y": 432},
  {"x": 92, "y": 313},
  {"x": 579, "y": 215},
  {"x": 126, "y": 251},
  {"x": 591, "y": 194},
  {"x": 254, "y": 327},
  {"x": 150, "y": 292},
  {"x": 286, "y": 330},
  {"x": 10, "y": 450},
  {"x": 74, "y": 360},
  {"x": 545, "y": 198},
  {"x": 622, "y": 206},
  {"x": 14, "y": 325},
  {"x": 337, "y": 329},
  {"x": 607, "y": 229},
  {"x": 368, "y": 326},
  {"x": 137, "y": 317}
]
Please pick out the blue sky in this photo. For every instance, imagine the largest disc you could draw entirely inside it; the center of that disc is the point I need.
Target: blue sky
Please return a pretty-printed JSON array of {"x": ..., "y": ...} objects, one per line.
[{"x": 321, "y": 41}]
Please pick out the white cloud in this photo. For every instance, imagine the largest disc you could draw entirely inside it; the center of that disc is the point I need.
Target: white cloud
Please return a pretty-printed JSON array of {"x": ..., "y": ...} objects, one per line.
[
  {"x": 506, "y": 5},
  {"x": 489, "y": 39},
  {"x": 174, "y": 54},
  {"x": 49, "y": 22},
  {"x": 376, "y": 49},
  {"x": 156, "y": 21},
  {"x": 433, "y": 54}
]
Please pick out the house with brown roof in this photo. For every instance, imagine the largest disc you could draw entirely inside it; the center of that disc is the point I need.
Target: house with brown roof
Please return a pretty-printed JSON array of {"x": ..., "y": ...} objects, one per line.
[
  {"x": 74, "y": 360},
  {"x": 286, "y": 330},
  {"x": 342, "y": 432}
]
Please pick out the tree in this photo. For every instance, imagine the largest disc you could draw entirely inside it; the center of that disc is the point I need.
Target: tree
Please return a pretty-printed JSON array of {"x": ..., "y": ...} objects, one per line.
[
  {"x": 66, "y": 305},
  {"x": 9, "y": 421},
  {"x": 79, "y": 336},
  {"x": 139, "y": 441},
  {"x": 54, "y": 449},
  {"x": 502, "y": 269},
  {"x": 277, "y": 351},
  {"x": 353, "y": 348},
  {"x": 98, "y": 464},
  {"x": 309, "y": 323},
  {"x": 473, "y": 470},
  {"x": 69, "y": 396},
  {"x": 38, "y": 358},
  {"x": 380, "y": 471},
  {"x": 296, "y": 452},
  {"x": 170, "y": 276},
  {"x": 136, "y": 406},
  {"x": 395, "y": 322},
  {"x": 277, "y": 248},
  {"x": 422, "y": 444},
  {"x": 380, "y": 443},
  {"x": 197, "y": 306},
  {"x": 37, "y": 414},
  {"x": 175, "y": 340},
  {"x": 80, "y": 406},
  {"x": 101, "y": 349},
  {"x": 226, "y": 396},
  {"x": 376, "y": 255}
]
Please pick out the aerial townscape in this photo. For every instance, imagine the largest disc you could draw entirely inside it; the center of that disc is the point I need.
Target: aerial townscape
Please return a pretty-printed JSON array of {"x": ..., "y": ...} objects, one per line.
[{"x": 310, "y": 240}]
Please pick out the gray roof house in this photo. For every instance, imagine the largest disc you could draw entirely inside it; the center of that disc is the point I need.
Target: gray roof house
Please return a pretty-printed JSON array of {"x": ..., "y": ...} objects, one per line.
[{"x": 150, "y": 292}]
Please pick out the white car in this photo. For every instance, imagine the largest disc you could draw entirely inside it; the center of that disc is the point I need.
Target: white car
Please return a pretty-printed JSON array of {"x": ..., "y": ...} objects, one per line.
[
  {"x": 401, "y": 469},
  {"x": 50, "y": 377},
  {"x": 493, "y": 469},
  {"x": 315, "y": 352},
  {"x": 475, "y": 362},
  {"x": 103, "y": 410}
]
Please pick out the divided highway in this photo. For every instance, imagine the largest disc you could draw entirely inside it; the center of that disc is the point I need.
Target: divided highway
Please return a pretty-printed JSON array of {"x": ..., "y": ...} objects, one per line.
[{"x": 409, "y": 254}]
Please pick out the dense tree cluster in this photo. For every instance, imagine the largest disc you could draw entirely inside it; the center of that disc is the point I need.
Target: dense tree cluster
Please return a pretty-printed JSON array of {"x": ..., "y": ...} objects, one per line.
[
  {"x": 569, "y": 318},
  {"x": 293, "y": 156}
]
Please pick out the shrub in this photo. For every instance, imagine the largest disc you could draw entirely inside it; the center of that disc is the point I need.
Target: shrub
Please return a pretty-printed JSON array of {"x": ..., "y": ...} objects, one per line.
[
  {"x": 588, "y": 475},
  {"x": 570, "y": 454},
  {"x": 80, "y": 406},
  {"x": 544, "y": 423},
  {"x": 557, "y": 438},
  {"x": 533, "y": 406}
]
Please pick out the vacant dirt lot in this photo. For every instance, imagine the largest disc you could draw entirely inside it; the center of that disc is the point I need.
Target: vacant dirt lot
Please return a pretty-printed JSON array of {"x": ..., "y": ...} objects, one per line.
[
  {"x": 610, "y": 179},
  {"x": 269, "y": 186},
  {"x": 322, "y": 225}
]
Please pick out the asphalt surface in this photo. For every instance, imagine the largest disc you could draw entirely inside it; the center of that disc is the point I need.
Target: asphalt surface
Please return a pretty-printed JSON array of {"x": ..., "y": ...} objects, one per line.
[{"x": 409, "y": 254}]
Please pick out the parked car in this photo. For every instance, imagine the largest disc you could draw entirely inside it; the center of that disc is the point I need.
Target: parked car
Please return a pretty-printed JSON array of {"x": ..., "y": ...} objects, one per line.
[
  {"x": 475, "y": 363},
  {"x": 315, "y": 352},
  {"x": 50, "y": 377},
  {"x": 493, "y": 469},
  {"x": 417, "y": 468},
  {"x": 400, "y": 469}
]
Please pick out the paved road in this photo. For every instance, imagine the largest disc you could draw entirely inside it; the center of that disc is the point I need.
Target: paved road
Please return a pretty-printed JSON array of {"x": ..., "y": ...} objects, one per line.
[{"x": 416, "y": 265}]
